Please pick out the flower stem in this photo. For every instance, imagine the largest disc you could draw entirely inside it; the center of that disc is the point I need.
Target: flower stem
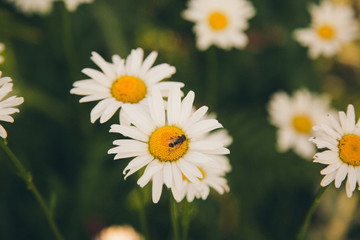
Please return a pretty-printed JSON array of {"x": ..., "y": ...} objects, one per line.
[
  {"x": 174, "y": 218},
  {"x": 305, "y": 225},
  {"x": 142, "y": 212},
  {"x": 185, "y": 219},
  {"x": 27, "y": 177}
]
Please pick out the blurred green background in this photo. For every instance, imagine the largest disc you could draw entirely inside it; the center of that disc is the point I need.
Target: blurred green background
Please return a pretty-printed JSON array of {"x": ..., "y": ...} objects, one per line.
[{"x": 270, "y": 192}]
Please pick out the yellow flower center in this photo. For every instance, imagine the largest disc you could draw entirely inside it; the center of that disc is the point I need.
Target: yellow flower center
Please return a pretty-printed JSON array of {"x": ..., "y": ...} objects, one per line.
[
  {"x": 302, "y": 124},
  {"x": 218, "y": 21},
  {"x": 326, "y": 32},
  {"x": 168, "y": 143},
  {"x": 128, "y": 89},
  {"x": 349, "y": 149},
  {"x": 201, "y": 170}
]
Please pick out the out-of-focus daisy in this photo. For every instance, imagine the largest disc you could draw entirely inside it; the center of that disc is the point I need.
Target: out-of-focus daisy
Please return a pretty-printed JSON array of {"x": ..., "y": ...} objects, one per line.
[
  {"x": 295, "y": 116},
  {"x": 169, "y": 143},
  {"x": 341, "y": 139},
  {"x": 122, "y": 82},
  {"x": 332, "y": 26},
  {"x": 2, "y": 48},
  {"x": 72, "y": 5},
  {"x": 7, "y": 105},
  {"x": 220, "y": 22},
  {"x": 41, "y": 7},
  {"x": 118, "y": 232}
]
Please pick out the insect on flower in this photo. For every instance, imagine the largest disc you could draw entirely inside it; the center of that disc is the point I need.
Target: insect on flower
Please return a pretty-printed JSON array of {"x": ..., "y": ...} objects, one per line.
[{"x": 175, "y": 142}]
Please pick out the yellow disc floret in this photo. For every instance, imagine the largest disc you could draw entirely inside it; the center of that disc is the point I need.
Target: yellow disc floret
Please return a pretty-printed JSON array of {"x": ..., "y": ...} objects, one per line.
[
  {"x": 349, "y": 149},
  {"x": 218, "y": 21},
  {"x": 168, "y": 143},
  {"x": 302, "y": 124},
  {"x": 128, "y": 89},
  {"x": 326, "y": 32}
]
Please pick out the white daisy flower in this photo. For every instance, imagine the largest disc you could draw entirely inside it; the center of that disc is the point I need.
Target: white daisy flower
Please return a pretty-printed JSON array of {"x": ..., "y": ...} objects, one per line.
[
  {"x": 7, "y": 105},
  {"x": 2, "y": 48},
  {"x": 41, "y": 7},
  {"x": 342, "y": 141},
  {"x": 118, "y": 232},
  {"x": 295, "y": 116},
  {"x": 72, "y": 5},
  {"x": 220, "y": 22},
  {"x": 212, "y": 177},
  {"x": 122, "y": 82},
  {"x": 169, "y": 143},
  {"x": 332, "y": 26}
]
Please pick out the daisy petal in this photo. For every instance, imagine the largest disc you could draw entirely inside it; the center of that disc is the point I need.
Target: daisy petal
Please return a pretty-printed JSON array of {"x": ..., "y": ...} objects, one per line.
[
  {"x": 351, "y": 181},
  {"x": 152, "y": 168},
  {"x": 167, "y": 173},
  {"x": 136, "y": 164},
  {"x": 341, "y": 174},
  {"x": 328, "y": 179},
  {"x": 157, "y": 186},
  {"x": 174, "y": 106}
]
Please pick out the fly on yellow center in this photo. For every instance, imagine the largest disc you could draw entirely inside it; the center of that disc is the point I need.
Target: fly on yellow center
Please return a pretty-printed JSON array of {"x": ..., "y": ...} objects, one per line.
[
  {"x": 168, "y": 143},
  {"x": 349, "y": 149},
  {"x": 200, "y": 169},
  {"x": 326, "y": 32},
  {"x": 128, "y": 89},
  {"x": 302, "y": 124},
  {"x": 218, "y": 21}
]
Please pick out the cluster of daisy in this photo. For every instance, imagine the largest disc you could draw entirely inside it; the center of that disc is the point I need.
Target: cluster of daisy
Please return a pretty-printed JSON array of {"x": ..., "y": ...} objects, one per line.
[
  {"x": 305, "y": 119},
  {"x": 175, "y": 143},
  {"x": 43, "y": 7},
  {"x": 222, "y": 23}
]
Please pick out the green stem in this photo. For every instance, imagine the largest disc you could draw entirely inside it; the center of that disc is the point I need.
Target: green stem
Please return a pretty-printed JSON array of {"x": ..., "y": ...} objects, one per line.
[
  {"x": 305, "y": 225},
  {"x": 185, "y": 219},
  {"x": 27, "y": 177},
  {"x": 174, "y": 218},
  {"x": 142, "y": 213}
]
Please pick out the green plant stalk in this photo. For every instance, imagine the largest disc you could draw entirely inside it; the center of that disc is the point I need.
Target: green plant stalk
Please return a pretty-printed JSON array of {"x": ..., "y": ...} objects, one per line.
[
  {"x": 174, "y": 218},
  {"x": 27, "y": 177},
  {"x": 185, "y": 219},
  {"x": 305, "y": 225},
  {"x": 142, "y": 213}
]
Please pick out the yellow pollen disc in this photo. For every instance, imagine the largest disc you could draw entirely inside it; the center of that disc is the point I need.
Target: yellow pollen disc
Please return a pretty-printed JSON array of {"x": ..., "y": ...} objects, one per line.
[
  {"x": 326, "y": 32},
  {"x": 201, "y": 170},
  {"x": 349, "y": 149},
  {"x": 128, "y": 89},
  {"x": 218, "y": 21},
  {"x": 302, "y": 124},
  {"x": 168, "y": 143}
]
